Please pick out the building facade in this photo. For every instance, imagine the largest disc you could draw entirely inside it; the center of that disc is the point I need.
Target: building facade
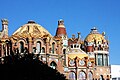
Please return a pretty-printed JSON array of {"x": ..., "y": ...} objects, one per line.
[
  {"x": 115, "y": 72},
  {"x": 78, "y": 59}
]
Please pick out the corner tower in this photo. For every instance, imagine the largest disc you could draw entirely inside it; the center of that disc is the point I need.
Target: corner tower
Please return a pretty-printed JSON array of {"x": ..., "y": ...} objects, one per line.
[{"x": 97, "y": 46}]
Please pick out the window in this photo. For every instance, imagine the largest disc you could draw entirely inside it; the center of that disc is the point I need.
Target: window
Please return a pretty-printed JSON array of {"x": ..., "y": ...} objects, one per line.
[
  {"x": 53, "y": 47},
  {"x": 21, "y": 47},
  {"x": 71, "y": 46},
  {"x": 74, "y": 45},
  {"x": 53, "y": 65},
  {"x": 72, "y": 76},
  {"x": 34, "y": 50},
  {"x": 100, "y": 60},
  {"x": 114, "y": 78},
  {"x": 71, "y": 62},
  {"x": 105, "y": 60},
  {"x": 90, "y": 76},
  {"x": 77, "y": 46},
  {"x": 38, "y": 47},
  {"x": 82, "y": 75},
  {"x": 43, "y": 50},
  {"x": 64, "y": 51}
]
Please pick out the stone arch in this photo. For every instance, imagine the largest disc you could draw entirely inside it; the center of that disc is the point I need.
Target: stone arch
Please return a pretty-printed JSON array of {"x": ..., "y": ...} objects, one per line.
[
  {"x": 20, "y": 41},
  {"x": 36, "y": 40}
]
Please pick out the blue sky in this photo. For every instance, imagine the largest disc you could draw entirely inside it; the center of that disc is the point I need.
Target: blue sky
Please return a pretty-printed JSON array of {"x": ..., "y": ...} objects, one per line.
[{"x": 78, "y": 16}]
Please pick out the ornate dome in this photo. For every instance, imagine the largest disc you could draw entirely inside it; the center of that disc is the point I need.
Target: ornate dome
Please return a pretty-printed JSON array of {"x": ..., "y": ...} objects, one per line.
[
  {"x": 95, "y": 36},
  {"x": 31, "y": 29}
]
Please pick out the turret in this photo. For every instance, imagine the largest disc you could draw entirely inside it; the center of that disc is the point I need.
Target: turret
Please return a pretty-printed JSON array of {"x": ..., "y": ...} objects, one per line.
[
  {"x": 61, "y": 30},
  {"x": 5, "y": 27}
]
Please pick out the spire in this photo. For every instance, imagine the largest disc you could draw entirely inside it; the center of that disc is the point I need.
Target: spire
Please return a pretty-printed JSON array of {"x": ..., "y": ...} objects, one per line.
[{"x": 61, "y": 30}]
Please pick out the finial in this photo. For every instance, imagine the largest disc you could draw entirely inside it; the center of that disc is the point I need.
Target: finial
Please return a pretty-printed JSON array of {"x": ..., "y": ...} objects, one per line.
[
  {"x": 103, "y": 33},
  {"x": 78, "y": 35},
  {"x": 94, "y": 30},
  {"x": 4, "y": 22},
  {"x": 61, "y": 22},
  {"x": 31, "y": 21},
  {"x": 73, "y": 36}
]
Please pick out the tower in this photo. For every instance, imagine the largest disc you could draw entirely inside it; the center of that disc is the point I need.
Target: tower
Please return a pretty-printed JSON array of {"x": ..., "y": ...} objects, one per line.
[
  {"x": 61, "y": 30},
  {"x": 61, "y": 34},
  {"x": 4, "y": 28},
  {"x": 97, "y": 47}
]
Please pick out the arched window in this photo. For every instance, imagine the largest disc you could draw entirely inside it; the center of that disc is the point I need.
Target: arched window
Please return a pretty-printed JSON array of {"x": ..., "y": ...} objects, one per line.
[
  {"x": 90, "y": 76},
  {"x": 53, "y": 47},
  {"x": 21, "y": 47},
  {"x": 64, "y": 51},
  {"x": 72, "y": 76},
  {"x": 38, "y": 47},
  {"x": 53, "y": 65},
  {"x": 43, "y": 50},
  {"x": 82, "y": 75}
]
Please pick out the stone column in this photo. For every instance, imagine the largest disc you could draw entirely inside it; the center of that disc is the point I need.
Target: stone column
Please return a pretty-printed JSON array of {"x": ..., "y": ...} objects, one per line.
[
  {"x": 6, "y": 50},
  {"x": 108, "y": 60},
  {"x": 59, "y": 47},
  {"x": 30, "y": 45},
  {"x": 87, "y": 69},
  {"x": 9, "y": 50},
  {"x": 47, "y": 45},
  {"x": 96, "y": 59},
  {"x": 2, "y": 55}
]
